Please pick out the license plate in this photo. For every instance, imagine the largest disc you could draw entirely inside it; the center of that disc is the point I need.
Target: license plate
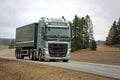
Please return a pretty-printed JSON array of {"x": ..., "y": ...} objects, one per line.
[{"x": 58, "y": 57}]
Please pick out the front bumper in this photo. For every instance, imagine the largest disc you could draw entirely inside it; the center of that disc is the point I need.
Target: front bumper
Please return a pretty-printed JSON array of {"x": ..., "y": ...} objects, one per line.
[{"x": 47, "y": 56}]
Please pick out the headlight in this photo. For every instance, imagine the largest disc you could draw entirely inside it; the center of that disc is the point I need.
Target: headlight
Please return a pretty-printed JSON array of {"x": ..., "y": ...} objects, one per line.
[
  {"x": 46, "y": 52},
  {"x": 69, "y": 49},
  {"x": 68, "y": 52},
  {"x": 46, "y": 23}
]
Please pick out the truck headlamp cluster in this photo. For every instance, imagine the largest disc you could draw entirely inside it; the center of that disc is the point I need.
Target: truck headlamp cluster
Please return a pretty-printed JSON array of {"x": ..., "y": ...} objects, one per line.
[
  {"x": 68, "y": 24},
  {"x": 69, "y": 50},
  {"x": 46, "y": 23},
  {"x": 46, "y": 51}
]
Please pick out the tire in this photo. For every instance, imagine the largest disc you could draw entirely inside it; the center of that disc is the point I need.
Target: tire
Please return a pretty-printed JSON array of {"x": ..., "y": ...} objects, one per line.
[
  {"x": 40, "y": 56},
  {"x": 16, "y": 54},
  {"x": 65, "y": 60},
  {"x": 22, "y": 57},
  {"x": 47, "y": 60},
  {"x": 34, "y": 55},
  {"x": 20, "y": 54},
  {"x": 31, "y": 55}
]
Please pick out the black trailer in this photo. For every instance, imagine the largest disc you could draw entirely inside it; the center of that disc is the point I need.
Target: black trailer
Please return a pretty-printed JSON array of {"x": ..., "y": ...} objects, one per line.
[{"x": 26, "y": 39}]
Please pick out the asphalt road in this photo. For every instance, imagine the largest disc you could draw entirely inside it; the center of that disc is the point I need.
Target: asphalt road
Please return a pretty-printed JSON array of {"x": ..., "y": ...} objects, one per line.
[{"x": 111, "y": 71}]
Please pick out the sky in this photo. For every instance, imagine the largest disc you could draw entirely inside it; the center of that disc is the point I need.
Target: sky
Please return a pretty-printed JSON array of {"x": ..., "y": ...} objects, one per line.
[{"x": 16, "y": 13}]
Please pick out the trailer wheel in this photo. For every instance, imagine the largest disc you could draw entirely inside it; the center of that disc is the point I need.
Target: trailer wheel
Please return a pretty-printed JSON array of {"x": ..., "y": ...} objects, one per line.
[
  {"x": 16, "y": 54},
  {"x": 21, "y": 56},
  {"x": 31, "y": 55}
]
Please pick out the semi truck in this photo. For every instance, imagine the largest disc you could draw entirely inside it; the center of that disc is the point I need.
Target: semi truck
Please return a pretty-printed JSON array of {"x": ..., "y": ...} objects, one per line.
[{"x": 49, "y": 39}]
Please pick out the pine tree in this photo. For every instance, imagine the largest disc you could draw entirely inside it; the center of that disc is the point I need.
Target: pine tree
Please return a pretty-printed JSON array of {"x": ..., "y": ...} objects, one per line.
[
  {"x": 118, "y": 32},
  {"x": 75, "y": 36},
  {"x": 93, "y": 45},
  {"x": 89, "y": 31},
  {"x": 12, "y": 44},
  {"x": 114, "y": 34},
  {"x": 81, "y": 32}
]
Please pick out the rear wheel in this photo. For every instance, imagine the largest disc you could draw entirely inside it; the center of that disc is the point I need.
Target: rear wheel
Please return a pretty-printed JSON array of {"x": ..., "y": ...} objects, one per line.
[
  {"x": 22, "y": 57},
  {"x": 20, "y": 54},
  {"x": 16, "y": 53}
]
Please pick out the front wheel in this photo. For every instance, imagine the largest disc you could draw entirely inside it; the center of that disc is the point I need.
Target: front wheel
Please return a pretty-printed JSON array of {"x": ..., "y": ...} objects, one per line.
[
  {"x": 39, "y": 57},
  {"x": 65, "y": 60}
]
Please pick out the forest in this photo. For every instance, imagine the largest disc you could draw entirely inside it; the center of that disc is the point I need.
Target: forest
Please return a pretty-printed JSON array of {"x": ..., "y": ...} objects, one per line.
[{"x": 82, "y": 33}]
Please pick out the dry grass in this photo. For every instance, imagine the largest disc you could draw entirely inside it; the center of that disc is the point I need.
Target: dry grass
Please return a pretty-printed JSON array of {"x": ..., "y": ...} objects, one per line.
[
  {"x": 107, "y": 48},
  {"x": 104, "y": 55},
  {"x": 2, "y": 47},
  {"x": 14, "y": 70}
]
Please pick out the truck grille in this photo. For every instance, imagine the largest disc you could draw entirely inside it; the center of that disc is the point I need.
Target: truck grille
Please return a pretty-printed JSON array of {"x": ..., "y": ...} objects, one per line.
[{"x": 57, "y": 50}]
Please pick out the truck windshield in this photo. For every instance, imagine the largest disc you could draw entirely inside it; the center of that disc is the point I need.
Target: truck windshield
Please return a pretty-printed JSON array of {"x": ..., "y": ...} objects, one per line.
[{"x": 53, "y": 33}]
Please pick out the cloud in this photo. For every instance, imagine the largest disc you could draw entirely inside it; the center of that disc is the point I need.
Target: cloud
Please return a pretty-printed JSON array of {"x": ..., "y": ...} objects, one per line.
[
  {"x": 7, "y": 32},
  {"x": 99, "y": 37},
  {"x": 16, "y": 13},
  {"x": 101, "y": 27}
]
